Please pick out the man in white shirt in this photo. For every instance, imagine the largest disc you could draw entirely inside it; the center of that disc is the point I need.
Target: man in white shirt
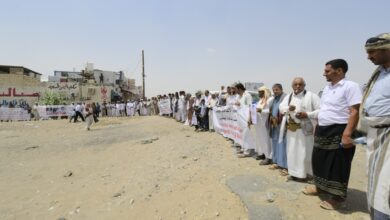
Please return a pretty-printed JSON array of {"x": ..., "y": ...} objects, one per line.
[
  {"x": 299, "y": 137},
  {"x": 333, "y": 145},
  {"x": 79, "y": 110},
  {"x": 375, "y": 121}
]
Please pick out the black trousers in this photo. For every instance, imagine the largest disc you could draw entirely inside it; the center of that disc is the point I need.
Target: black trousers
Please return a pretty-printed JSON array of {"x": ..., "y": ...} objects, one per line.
[{"x": 77, "y": 115}]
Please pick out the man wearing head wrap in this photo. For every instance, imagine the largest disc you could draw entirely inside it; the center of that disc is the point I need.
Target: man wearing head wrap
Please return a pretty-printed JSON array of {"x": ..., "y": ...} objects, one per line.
[
  {"x": 263, "y": 148},
  {"x": 298, "y": 109},
  {"x": 375, "y": 122}
]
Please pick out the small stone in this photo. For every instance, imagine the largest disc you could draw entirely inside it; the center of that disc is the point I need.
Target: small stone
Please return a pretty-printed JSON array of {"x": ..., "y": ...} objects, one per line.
[
  {"x": 188, "y": 136},
  {"x": 61, "y": 218},
  {"x": 195, "y": 159},
  {"x": 117, "y": 195},
  {"x": 146, "y": 141},
  {"x": 31, "y": 148},
  {"x": 154, "y": 139},
  {"x": 270, "y": 197},
  {"x": 183, "y": 212},
  {"x": 184, "y": 157},
  {"x": 132, "y": 201},
  {"x": 68, "y": 174},
  {"x": 217, "y": 214}
]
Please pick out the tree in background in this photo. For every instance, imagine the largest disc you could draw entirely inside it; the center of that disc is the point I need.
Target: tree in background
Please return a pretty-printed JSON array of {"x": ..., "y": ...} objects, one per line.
[{"x": 51, "y": 98}]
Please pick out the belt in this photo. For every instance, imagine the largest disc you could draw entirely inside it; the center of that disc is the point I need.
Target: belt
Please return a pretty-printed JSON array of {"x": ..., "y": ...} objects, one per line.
[{"x": 293, "y": 126}]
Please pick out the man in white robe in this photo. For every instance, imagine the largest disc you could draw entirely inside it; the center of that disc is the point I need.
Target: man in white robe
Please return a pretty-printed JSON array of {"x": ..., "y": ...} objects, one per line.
[
  {"x": 212, "y": 103},
  {"x": 129, "y": 108},
  {"x": 300, "y": 129},
  {"x": 264, "y": 148},
  {"x": 181, "y": 107},
  {"x": 244, "y": 102}
]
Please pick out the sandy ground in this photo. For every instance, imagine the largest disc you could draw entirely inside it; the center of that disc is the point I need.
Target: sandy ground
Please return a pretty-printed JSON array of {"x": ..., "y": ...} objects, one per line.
[{"x": 147, "y": 168}]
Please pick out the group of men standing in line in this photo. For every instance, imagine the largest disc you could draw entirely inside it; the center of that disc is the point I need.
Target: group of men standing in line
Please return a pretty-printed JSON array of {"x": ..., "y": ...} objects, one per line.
[
  {"x": 303, "y": 135},
  {"x": 130, "y": 108}
]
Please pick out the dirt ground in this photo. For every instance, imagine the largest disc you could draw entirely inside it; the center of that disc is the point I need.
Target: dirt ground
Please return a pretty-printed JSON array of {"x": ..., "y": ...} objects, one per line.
[{"x": 147, "y": 168}]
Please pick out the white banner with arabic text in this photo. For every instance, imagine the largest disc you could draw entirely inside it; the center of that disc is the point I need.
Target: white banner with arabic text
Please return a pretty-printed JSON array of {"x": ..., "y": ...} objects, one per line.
[{"x": 232, "y": 122}]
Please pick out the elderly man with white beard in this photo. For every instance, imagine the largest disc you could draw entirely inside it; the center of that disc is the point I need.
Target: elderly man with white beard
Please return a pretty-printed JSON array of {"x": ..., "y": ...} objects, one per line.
[{"x": 299, "y": 110}]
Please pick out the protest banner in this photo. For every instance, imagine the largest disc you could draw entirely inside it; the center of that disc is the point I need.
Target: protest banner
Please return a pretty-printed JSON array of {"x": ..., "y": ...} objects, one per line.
[
  {"x": 165, "y": 106},
  {"x": 47, "y": 111},
  {"x": 14, "y": 114},
  {"x": 232, "y": 122}
]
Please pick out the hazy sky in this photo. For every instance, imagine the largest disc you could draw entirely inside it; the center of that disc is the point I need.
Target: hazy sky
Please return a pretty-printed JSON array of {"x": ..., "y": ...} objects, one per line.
[{"x": 197, "y": 44}]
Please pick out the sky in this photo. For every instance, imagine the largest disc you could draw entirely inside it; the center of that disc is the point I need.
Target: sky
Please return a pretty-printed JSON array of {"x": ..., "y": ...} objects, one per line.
[{"x": 193, "y": 44}]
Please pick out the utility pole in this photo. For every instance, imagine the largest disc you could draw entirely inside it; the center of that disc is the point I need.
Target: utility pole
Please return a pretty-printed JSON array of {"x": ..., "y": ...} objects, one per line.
[{"x": 143, "y": 75}]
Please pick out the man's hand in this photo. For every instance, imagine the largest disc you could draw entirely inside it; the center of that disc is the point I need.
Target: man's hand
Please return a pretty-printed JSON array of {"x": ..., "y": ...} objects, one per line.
[
  {"x": 301, "y": 115},
  {"x": 258, "y": 110},
  {"x": 291, "y": 108},
  {"x": 347, "y": 141}
]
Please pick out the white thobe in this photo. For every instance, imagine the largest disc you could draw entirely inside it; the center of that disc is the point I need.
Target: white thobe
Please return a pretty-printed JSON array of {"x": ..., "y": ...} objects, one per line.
[
  {"x": 299, "y": 146},
  {"x": 263, "y": 145},
  {"x": 212, "y": 104}
]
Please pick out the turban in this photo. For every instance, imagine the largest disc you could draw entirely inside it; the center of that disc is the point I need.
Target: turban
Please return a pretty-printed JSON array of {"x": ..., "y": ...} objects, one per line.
[
  {"x": 267, "y": 92},
  {"x": 379, "y": 42}
]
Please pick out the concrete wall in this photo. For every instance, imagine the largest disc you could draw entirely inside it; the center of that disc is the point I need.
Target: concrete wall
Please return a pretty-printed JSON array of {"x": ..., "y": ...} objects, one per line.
[{"x": 18, "y": 88}]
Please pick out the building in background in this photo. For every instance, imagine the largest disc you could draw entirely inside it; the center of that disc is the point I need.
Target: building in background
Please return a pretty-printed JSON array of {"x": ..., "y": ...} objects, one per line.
[{"x": 19, "y": 85}]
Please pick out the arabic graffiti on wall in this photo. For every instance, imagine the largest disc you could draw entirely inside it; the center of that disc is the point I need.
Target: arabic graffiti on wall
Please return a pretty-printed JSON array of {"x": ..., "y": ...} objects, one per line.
[
  {"x": 13, "y": 93},
  {"x": 63, "y": 86},
  {"x": 14, "y": 97},
  {"x": 14, "y": 102}
]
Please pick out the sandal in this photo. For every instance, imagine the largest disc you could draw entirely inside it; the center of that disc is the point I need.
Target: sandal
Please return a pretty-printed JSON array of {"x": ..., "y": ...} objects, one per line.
[
  {"x": 311, "y": 191},
  {"x": 332, "y": 204},
  {"x": 283, "y": 172},
  {"x": 274, "y": 167}
]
